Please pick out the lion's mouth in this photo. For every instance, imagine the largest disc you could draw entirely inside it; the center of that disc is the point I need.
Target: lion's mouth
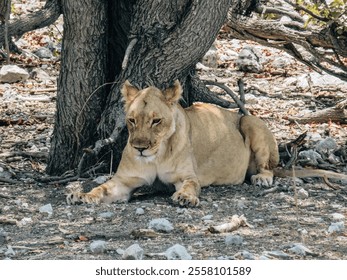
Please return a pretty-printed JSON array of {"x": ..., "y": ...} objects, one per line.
[{"x": 146, "y": 158}]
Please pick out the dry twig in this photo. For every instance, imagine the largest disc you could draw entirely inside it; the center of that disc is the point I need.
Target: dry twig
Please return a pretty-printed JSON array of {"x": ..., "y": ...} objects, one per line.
[{"x": 235, "y": 223}]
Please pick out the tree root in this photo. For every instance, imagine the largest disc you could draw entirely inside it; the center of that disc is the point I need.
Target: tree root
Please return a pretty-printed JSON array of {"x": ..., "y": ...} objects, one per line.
[{"x": 237, "y": 100}]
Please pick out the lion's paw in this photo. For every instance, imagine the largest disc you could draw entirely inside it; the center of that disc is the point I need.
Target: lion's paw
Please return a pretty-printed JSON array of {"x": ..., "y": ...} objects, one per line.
[
  {"x": 262, "y": 180},
  {"x": 185, "y": 199},
  {"x": 79, "y": 198}
]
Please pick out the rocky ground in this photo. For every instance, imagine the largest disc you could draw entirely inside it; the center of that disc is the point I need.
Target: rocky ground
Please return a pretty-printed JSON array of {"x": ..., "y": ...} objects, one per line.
[{"x": 297, "y": 219}]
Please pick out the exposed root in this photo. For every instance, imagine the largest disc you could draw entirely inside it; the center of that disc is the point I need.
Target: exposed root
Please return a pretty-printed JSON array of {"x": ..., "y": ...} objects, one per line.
[{"x": 239, "y": 103}]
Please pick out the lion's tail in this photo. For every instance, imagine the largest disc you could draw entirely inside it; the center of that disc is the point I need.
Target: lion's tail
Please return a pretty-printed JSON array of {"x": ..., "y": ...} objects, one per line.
[{"x": 308, "y": 172}]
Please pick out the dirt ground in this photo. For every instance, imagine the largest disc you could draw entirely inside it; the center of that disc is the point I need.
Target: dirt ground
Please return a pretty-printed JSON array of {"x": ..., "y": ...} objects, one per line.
[{"x": 298, "y": 219}]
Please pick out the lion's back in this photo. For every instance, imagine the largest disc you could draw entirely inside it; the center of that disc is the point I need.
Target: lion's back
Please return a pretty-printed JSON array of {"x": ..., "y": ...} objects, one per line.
[{"x": 218, "y": 145}]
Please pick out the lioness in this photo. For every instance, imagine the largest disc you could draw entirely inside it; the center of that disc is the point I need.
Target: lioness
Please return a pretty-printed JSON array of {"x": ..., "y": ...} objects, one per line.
[{"x": 189, "y": 148}]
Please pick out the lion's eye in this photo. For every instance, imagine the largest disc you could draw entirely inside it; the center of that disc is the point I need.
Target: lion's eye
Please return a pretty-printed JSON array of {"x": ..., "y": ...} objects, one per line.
[
  {"x": 156, "y": 122},
  {"x": 131, "y": 121}
]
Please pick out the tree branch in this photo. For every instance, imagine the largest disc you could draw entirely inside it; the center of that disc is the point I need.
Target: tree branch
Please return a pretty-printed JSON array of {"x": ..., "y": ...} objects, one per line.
[
  {"x": 46, "y": 16},
  {"x": 318, "y": 50},
  {"x": 301, "y": 8}
]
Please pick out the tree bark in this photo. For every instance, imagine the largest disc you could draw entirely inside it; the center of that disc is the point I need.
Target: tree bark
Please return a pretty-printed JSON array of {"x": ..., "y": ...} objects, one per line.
[
  {"x": 83, "y": 70},
  {"x": 171, "y": 37}
]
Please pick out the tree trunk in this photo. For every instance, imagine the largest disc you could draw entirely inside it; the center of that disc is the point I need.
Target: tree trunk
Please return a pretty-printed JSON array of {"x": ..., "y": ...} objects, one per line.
[
  {"x": 83, "y": 70},
  {"x": 150, "y": 43}
]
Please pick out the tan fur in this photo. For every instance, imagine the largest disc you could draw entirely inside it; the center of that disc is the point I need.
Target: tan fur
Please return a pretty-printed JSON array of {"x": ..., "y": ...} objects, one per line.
[
  {"x": 308, "y": 172},
  {"x": 190, "y": 148}
]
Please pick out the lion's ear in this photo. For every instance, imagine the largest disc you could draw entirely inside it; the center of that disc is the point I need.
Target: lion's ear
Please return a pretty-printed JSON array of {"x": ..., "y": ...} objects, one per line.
[
  {"x": 173, "y": 94},
  {"x": 128, "y": 91}
]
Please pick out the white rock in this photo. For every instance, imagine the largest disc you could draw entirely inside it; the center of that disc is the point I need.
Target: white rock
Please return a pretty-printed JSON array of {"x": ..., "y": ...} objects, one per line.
[
  {"x": 302, "y": 193},
  {"x": 41, "y": 75},
  {"x": 182, "y": 211},
  {"x": 337, "y": 217},
  {"x": 336, "y": 227},
  {"x": 285, "y": 19},
  {"x": 281, "y": 62},
  {"x": 326, "y": 146},
  {"x": 200, "y": 66},
  {"x": 311, "y": 156},
  {"x": 210, "y": 59},
  {"x": 314, "y": 136},
  {"x": 241, "y": 205},
  {"x": 300, "y": 249},
  {"x": 12, "y": 74},
  {"x": 225, "y": 58},
  {"x": 177, "y": 252},
  {"x": 10, "y": 251},
  {"x": 43, "y": 53},
  {"x": 290, "y": 81},
  {"x": 250, "y": 60},
  {"x": 325, "y": 79},
  {"x": 140, "y": 211},
  {"x": 207, "y": 217},
  {"x": 231, "y": 53},
  {"x": 25, "y": 221},
  {"x": 106, "y": 215},
  {"x": 98, "y": 246},
  {"x": 120, "y": 251},
  {"x": 302, "y": 82},
  {"x": 233, "y": 240},
  {"x": 134, "y": 252},
  {"x": 278, "y": 254},
  {"x": 244, "y": 255},
  {"x": 46, "y": 209},
  {"x": 161, "y": 225}
]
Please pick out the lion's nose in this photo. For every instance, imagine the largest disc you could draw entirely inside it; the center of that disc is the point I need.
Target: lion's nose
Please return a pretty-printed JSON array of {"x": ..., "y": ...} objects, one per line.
[{"x": 140, "y": 149}]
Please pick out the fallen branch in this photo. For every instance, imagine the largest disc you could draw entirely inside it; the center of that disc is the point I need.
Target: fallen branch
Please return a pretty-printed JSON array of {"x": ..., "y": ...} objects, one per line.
[
  {"x": 38, "y": 90},
  {"x": 4, "y": 220},
  {"x": 235, "y": 223},
  {"x": 9, "y": 181},
  {"x": 337, "y": 114},
  {"x": 38, "y": 155},
  {"x": 6, "y": 196}
]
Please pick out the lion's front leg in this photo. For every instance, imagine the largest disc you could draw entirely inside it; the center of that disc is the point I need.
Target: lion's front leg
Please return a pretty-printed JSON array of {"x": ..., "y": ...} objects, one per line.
[
  {"x": 106, "y": 193},
  {"x": 187, "y": 193},
  {"x": 113, "y": 190}
]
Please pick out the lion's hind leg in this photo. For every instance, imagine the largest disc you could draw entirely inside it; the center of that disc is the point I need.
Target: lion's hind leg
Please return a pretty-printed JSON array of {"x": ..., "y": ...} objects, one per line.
[{"x": 264, "y": 151}]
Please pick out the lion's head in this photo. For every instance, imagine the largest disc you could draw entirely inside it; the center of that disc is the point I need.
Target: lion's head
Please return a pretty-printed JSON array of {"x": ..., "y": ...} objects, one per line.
[{"x": 150, "y": 117}]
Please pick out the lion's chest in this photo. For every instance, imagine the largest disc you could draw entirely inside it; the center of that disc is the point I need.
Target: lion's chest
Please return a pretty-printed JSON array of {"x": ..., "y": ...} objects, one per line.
[{"x": 166, "y": 174}]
